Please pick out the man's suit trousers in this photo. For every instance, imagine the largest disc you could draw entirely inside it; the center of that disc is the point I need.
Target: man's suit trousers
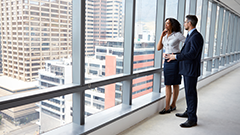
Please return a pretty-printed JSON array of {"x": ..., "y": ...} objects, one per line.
[{"x": 190, "y": 84}]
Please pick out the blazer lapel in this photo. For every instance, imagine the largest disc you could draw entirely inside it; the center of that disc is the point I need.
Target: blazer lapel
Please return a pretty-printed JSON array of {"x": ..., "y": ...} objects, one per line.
[{"x": 188, "y": 38}]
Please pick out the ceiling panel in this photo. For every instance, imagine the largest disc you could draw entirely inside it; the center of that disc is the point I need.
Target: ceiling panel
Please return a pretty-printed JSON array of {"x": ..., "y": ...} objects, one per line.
[{"x": 234, "y": 4}]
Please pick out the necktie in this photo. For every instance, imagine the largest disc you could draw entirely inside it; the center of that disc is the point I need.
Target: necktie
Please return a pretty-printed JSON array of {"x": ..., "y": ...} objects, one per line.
[{"x": 187, "y": 36}]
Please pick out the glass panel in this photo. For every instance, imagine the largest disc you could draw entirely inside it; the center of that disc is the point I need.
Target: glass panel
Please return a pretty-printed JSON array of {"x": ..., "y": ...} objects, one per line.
[
  {"x": 54, "y": 112},
  {"x": 20, "y": 120},
  {"x": 36, "y": 56},
  {"x": 39, "y": 54},
  {"x": 216, "y": 30},
  {"x": 162, "y": 82},
  {"x": 207, "y": 30},
  {"x": 38, "y": 117},
  {"x": 230, "y": 19},
  {"x": 213, "y": 65},
  {"x": 199, "y": 13},
  {"x": 221, "y": 47},
  {"x": 142, "y": 86},
  {"x": 171, "y": 9},
  {"x": 104, "y": 38},
  {"x": 144, "y": 35},
  {"x": 102, "y": 98},
  {"x": 187, "y": 12},
  {"x": 205, "y": 72}
]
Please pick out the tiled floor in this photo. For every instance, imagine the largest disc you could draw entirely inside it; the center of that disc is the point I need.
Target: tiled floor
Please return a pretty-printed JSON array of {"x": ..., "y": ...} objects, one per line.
[{"x": 218, "y": 112}]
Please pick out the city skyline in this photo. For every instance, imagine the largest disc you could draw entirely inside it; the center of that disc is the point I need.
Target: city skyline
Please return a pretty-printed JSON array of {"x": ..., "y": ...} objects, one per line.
[{"x": 32, "y": 33}]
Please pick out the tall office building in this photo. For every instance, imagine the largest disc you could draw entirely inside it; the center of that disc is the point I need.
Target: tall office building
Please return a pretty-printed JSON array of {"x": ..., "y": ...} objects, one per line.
[
  {"x": 103, "y": 21},
  {"x": 33, "y": 31}
]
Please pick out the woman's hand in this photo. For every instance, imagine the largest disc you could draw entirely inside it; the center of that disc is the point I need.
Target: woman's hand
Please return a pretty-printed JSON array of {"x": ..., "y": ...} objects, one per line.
[
  {"x": 164, "y": 32},
  {"x": 160, "y": 45}
]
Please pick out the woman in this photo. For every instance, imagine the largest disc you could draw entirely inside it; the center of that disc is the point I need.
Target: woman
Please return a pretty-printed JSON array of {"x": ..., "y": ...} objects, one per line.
[{"x": 170, "y": 39}]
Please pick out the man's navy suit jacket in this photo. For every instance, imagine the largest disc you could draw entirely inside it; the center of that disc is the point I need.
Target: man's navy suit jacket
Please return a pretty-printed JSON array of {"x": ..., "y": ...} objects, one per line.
[{"x": 190, "y": 56}]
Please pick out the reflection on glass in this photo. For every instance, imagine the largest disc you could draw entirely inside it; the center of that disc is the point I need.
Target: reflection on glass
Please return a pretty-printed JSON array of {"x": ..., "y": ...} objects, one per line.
[
  {"x": 224, "y": 21},
  {"x": 215, "y": 35},
  {"x": 144, "y": 34},
  {"x": 187, "y": 11},
  {"x": 207, "y": 30},
  {"x": 103, "y": 38},
  {"x": 162, "y": 81},
  {"x": 102, "y": 98},
  {"x": 171, "y": 9},
  {"x": 199, "y": 13},
  {"x": 142, "y": 86},
  {"x": 228, "y": 33}
]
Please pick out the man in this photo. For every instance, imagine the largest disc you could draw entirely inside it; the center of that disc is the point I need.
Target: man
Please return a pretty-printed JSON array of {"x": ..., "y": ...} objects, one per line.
[{"x": 189, "y": 66}]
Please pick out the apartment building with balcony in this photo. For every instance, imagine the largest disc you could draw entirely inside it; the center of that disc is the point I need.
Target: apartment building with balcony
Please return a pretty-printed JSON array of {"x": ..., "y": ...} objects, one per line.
[{"x": 33, "y": 31}]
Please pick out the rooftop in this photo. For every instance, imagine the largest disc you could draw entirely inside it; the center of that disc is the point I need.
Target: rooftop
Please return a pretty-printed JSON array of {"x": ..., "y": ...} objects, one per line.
[{"x": 14, "y": 85}]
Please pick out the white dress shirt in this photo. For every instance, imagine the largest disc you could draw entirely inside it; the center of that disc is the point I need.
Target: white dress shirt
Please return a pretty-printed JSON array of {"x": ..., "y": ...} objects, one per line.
[{"x": 171, "y": 43}]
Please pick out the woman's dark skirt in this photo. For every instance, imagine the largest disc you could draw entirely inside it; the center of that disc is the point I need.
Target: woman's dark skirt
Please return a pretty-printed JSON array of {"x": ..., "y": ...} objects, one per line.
[{"x": 171, "y": 73}]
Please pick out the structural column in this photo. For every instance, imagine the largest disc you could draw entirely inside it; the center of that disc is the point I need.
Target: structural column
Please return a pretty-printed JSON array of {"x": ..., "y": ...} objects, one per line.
[
  {"x": 161, "y": 4},
  {"x": 78, "y": 59},
  {"x": 128, "y": 50}
]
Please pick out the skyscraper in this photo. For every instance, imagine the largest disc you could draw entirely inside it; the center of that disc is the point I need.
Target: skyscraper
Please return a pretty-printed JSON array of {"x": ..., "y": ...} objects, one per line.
[
  {"x": 103, "y": 21},
  {"x": 33, "y": 31}
]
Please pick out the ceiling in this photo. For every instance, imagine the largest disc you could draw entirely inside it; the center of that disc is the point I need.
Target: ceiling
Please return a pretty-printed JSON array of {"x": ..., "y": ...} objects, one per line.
[{"x": 233, "y": 4}]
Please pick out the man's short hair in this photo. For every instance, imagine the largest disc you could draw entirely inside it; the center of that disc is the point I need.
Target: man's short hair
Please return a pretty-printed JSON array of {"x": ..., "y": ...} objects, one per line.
[{"x": 193, "y": 19}]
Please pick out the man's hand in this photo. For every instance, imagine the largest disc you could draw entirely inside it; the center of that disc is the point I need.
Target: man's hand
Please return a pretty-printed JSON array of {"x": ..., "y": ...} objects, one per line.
[{"x": 170, "y": 57}]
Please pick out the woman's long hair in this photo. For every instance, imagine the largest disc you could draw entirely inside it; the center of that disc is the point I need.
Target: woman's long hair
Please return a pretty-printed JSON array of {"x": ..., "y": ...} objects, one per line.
[{"x": 176, "y": 26}]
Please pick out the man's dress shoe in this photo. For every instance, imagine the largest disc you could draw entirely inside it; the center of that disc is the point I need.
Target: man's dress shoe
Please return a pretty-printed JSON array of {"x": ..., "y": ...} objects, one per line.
[
  {"x": 183, "y": 115},
  {"x": 188, "y": 123}
]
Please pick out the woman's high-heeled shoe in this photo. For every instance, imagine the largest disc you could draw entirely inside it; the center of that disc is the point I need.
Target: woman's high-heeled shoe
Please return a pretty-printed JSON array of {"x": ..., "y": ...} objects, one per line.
[{"x": 165, "y": 111}]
